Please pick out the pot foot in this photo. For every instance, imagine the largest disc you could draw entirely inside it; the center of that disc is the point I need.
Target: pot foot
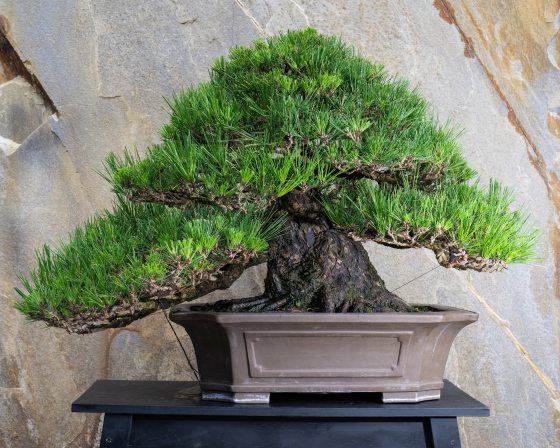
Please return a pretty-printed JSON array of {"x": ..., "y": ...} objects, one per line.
[
  {"x": 411, "y": 397},
  {"x": 236, "y": 397}
]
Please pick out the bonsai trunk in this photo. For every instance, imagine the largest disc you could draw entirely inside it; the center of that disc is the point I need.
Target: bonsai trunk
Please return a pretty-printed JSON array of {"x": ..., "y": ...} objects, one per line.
[{"x": 316, "y": 268}]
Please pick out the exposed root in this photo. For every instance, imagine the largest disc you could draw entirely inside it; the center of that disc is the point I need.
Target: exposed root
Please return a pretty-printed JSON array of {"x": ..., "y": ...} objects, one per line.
[{"x": 314, "y": 268}]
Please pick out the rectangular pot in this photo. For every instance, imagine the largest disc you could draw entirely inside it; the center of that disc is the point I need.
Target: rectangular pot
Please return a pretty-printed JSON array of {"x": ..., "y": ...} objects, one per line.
[{"x": 243, "y": 357}]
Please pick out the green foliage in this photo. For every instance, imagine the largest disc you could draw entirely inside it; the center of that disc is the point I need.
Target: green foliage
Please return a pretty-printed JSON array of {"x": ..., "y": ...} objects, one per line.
[
  {"x": 460, "y": 215},
  {"x": 281, "y": 115},
  {"x": 302, "y": 110},
  {"x": 298, "y": 111},
  {"x": 115, "y": 255}
]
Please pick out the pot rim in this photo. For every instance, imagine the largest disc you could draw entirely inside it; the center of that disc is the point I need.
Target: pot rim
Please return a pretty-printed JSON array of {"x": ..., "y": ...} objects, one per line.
[{"x": 442, "y": 313}]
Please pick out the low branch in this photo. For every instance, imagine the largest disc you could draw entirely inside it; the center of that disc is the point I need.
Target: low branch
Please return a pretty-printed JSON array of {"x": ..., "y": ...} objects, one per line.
[
  {"x": 172, "y": 289},
  {"x": 448, "y": 253}
]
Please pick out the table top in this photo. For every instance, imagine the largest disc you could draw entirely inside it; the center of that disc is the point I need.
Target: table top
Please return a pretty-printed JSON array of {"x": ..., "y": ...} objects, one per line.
[{"x": 182, "y": 398}]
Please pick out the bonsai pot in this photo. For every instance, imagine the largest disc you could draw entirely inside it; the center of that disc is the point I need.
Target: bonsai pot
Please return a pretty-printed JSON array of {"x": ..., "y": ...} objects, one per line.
[{"x": 243, "y": 357}]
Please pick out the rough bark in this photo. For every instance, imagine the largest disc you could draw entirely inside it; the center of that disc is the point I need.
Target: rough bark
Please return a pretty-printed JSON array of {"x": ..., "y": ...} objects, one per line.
[{"x": 313, "y": 267}]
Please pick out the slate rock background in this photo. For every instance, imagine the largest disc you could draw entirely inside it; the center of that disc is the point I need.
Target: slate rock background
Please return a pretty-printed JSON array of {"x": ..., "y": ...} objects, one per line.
[{"x": 490, "y": 66}]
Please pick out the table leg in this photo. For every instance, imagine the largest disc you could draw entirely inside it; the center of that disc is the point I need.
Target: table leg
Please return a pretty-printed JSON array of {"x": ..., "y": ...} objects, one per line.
[
  {"x": 116, "y": 431},
  {"x": 445, "y": 433}
]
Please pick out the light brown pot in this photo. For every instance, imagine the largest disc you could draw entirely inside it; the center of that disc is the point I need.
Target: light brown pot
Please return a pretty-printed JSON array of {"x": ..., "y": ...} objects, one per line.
[{"x": 243, "y": 357}]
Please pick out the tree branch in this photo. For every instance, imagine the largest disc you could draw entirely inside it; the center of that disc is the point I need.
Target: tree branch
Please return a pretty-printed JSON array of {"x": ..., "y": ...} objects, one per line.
[
  {"x": 423, "y": 173},
  {"x": 146, "y": 302},
  {"x": 191, "y": 193}
]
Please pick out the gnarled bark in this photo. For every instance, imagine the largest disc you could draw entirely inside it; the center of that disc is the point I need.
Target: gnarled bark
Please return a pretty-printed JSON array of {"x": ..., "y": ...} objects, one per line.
[{"x": 313, "y": 267}]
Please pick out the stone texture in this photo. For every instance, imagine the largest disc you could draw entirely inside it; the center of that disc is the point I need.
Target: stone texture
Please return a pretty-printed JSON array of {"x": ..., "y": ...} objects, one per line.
[
  {"x": 491, "y": 67},
  {"x": 21, "y": 110},
  {"x": 8, "y": 146},
  {"x": 553, "y": 121}
]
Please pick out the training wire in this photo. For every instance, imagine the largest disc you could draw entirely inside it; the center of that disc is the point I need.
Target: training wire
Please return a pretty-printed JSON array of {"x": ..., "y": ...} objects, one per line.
[
  {"x": 416, "y": 278},
  {"x": 178, "y": 340}
]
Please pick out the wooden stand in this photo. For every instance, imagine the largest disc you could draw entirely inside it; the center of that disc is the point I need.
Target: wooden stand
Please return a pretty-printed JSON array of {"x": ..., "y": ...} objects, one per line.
[{"x": 158, "y": 414}]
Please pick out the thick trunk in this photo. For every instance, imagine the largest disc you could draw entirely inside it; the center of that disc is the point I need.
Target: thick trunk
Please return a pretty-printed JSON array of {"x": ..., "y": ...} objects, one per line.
[{"x": 313, "y": 267}]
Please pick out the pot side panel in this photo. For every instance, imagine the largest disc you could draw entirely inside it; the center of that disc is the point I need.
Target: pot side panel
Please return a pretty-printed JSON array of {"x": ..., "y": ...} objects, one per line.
[{"x": 302, "y": 354}]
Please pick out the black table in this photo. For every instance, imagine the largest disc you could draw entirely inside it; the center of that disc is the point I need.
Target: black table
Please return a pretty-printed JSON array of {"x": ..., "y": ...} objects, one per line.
[{"x": 158, "y": 414}]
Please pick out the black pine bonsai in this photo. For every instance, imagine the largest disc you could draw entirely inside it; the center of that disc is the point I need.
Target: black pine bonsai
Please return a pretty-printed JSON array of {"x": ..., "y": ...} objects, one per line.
[{"x": 294, "y": 151}]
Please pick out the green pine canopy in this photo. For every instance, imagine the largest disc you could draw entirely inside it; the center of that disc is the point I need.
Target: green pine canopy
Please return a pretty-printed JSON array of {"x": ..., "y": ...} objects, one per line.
[{"x": 299, "y": 111}]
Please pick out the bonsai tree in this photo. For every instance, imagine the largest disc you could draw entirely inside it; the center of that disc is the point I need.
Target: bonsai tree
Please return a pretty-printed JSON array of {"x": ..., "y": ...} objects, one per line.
[{"x": 292, "y": 153}]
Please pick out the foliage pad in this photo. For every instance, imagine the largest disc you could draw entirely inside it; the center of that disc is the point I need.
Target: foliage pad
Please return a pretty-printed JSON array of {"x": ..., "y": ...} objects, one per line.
[{"x": 120, "y": 259}]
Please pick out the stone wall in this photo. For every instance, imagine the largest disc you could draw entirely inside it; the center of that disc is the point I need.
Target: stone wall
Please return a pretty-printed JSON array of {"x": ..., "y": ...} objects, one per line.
[{"x": 490, "y": 66}]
